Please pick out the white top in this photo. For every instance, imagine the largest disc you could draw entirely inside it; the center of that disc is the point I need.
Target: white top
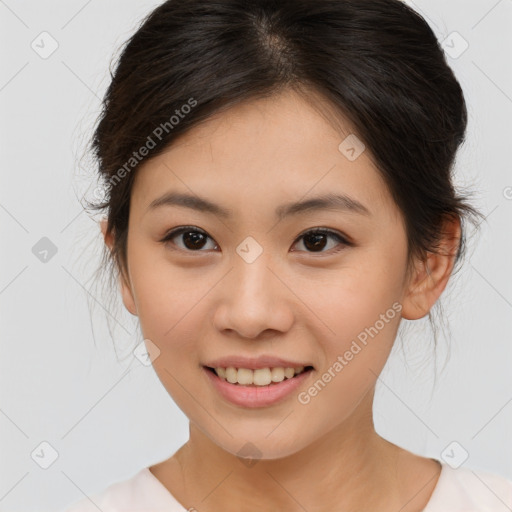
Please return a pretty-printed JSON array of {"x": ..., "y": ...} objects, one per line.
[{"x": 457, "y": 490}]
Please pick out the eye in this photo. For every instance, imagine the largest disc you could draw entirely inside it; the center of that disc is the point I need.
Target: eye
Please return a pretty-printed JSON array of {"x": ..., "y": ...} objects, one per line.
[
  {"x": 315, "y": 240},
  {"x": 194, "y": 239}
]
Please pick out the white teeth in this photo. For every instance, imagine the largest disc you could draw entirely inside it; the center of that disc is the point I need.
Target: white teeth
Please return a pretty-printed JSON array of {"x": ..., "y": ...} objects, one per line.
[
  {"x": 231, "y": 375},
  {"x": 277, "y": 374},
  {"x": 259, "y": 377},
  {"x": 221, "y": 372},
  {"x": 289, "y": 372},
  {"x": 244, "y": 376}
]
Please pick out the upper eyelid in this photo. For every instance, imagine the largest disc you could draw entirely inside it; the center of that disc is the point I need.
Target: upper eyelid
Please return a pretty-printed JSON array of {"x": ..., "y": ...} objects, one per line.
[{"x": 181, "y": 229}]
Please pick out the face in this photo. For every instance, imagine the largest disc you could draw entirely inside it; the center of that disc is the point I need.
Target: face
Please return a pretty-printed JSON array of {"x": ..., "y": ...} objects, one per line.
[{"x": 249, "y": 283}]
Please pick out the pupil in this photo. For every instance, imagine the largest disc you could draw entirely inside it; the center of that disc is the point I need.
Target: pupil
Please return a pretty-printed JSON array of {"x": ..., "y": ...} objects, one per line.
[
  {"x": 317, "y": 241},
  {"x": 194, "y": 238}
]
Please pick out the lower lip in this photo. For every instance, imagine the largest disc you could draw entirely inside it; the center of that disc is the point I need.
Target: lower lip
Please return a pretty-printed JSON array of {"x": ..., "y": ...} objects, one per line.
[{"x": 256, "y": 396}]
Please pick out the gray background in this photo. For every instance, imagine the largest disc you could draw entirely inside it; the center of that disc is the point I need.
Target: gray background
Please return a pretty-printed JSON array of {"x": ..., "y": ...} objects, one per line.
[{"x": 61, "y": 380}]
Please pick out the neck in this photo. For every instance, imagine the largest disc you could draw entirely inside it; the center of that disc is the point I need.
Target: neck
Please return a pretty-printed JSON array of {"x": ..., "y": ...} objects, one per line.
[{"x": 350, "y": 468}]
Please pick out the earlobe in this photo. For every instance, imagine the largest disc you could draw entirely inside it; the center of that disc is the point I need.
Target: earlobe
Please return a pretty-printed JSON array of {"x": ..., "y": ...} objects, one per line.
[
  {"x": 107, "y": 238},
  {"x": 127, "y": 295},
  {"x": 417, "y": 303},
  {"x": 432, "y": 275}
]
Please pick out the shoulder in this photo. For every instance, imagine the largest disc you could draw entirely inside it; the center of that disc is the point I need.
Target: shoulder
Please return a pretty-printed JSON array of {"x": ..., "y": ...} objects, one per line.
[
  {"x": 470, "y": 490},
  {"x": 142, "y": 491}
]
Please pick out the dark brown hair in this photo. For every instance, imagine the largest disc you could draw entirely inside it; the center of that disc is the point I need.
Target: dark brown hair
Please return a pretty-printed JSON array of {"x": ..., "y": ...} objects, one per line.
[{"x": 377, "y": 63}]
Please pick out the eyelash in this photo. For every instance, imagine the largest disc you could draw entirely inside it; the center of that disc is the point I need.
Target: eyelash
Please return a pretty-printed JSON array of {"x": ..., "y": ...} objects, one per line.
[{"x": 322, "y": 231}]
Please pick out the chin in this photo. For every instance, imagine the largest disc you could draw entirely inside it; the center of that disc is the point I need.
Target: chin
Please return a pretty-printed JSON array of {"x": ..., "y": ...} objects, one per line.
[{"x": 259, "y": 447}]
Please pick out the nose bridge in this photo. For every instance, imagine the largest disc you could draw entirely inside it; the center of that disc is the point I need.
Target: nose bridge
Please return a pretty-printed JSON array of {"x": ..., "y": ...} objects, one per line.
[
  {"x": 253, "y": 300},
  {"x": 252, "y": 277}
]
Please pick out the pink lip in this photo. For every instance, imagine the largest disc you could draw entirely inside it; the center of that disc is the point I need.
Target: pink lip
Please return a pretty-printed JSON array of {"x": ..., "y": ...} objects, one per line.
[
  {"x": 255, "y": 396},
  {"x": 254, "y": 363}
]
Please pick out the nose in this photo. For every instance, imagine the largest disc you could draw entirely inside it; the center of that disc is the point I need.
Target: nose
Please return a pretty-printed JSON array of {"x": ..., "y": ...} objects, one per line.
[{"x": 254, "y": 299}]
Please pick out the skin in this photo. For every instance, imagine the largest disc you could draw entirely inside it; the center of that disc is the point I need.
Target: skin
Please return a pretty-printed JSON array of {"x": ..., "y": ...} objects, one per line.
[{"x": 198, "y": 304}]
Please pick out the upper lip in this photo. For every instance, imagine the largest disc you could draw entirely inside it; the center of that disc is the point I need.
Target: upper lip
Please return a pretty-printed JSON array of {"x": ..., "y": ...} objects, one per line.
[{"x": 253, "y": 363}]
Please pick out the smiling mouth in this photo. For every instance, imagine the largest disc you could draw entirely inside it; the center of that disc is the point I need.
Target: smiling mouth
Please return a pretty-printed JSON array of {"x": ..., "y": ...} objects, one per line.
[{"x": 258, "y": 377}]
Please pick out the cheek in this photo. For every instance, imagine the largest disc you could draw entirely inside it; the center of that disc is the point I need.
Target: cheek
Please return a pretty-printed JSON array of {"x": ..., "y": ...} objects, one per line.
[
  {"x": 165, "y": 295},
  {"x": 171, "y": 306},
  {"x": 362, "y": 310},
  {"x": 355, "y": 300},
  {"x": 365, "y": 322}
]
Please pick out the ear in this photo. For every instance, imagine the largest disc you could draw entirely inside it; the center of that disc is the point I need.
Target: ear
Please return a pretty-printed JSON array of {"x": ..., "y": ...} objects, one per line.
[
  {"x": 430, "y": 277},
  {"x": 126, "y": 291}
]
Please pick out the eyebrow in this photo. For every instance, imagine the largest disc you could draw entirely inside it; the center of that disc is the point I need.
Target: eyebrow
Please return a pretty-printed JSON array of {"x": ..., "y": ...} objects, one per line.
[{"x": 338, "y": 202}]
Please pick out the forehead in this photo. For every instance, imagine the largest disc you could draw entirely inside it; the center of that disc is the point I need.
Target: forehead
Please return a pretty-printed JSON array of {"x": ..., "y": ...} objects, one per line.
[{"x": 273, "y": 150}]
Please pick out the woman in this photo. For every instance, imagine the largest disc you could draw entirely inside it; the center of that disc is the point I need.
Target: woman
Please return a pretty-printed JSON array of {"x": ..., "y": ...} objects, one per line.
[{"x": 279, "y": 196}]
